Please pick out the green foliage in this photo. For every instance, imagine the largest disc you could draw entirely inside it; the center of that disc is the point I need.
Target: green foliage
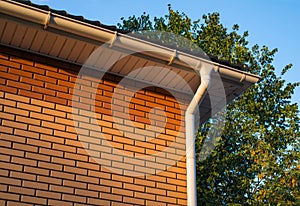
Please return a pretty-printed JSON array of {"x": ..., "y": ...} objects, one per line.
[{"x": 256, "y": 161}]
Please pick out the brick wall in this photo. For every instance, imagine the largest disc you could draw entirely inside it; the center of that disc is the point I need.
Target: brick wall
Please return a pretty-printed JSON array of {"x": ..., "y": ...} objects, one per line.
[{"x": 51, "y": 151}]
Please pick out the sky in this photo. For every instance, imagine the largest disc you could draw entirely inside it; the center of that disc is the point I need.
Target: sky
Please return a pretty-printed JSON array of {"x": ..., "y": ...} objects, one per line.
[{"x": 275, "y": 23}]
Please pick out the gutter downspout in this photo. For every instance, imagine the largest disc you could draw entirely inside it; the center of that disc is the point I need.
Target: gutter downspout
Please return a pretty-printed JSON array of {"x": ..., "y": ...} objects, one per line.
[{"x": 191, "y": 130}]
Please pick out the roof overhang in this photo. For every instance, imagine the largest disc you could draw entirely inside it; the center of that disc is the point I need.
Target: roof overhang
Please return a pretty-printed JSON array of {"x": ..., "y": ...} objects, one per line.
[{"x": 49, "y": 34}]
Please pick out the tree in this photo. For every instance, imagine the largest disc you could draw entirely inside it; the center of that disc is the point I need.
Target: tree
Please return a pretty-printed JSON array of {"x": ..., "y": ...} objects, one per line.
[{"x": 256, "y": 161}]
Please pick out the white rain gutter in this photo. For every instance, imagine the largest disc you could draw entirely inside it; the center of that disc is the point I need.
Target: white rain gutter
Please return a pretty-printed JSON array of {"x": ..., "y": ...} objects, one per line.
[
  {"x": 72, "y": 26},
  {"x": 191, "y": 130},
  {"x": 51, "y": 20}
]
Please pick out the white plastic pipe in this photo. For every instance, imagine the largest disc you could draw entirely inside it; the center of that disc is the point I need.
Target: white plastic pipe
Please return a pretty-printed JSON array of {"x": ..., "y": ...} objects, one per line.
[{"x": 191, "y": 130}]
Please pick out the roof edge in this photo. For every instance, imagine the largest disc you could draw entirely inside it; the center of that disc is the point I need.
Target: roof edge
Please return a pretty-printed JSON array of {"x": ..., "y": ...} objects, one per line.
[{"x": 47, "y": 19}]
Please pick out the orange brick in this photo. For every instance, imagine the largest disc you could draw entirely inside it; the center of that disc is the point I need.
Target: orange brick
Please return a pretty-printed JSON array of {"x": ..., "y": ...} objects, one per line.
[
  {"x": 134, "y": 149},
  {"x": 47, "y": 194},
  {"x": 99, "y": 188},
  {"x": 59, "y": 202},
  {"x": 120, "y": 204},
  {"x": 14, "y": 124},
  {"x": 55, "y": 113},
  {"x": 21, "y": 190},
  {"x": 7, "y": 116},
  {"x": 62, "y": 189},
  {"x": 75, "y": 184},
  {"x": 4, "y": 158},
  {"x": 145, "y": 196},
  {"x": 62, "y": 175},
  {"x": 41, "y": 116},
  {"x": 165, "y": 186},
  {"x": 49, "y": 180},
  {"x": 20, "y": 61},
  {"x": 166, "y": 199},
  {"x": 165, "y": 102},
  {"x": 97, "y": 201},
  {"x": 42, "y": 103},
  {"x": 178, "y": 170},
  {"x": 6, "y": 75},
  {"x": 77, "y": 157},
  {"x": 69, "y": 97},
  {"x": 38, "y": 171},
  {"x": 42, "y": 90},
  {"x": 16, "y": 111},
  {"x": 134, "y": 200},
  {"x": 45, "y": 66},
  {"x": 86, "y": 193},
  {"x": 111, "y": 183},
  {"x": 75, "y": 170},
  {"x": 50, "y": 166},
  {"x": 17, "y": 98},
  {"x": 67, "y": 135},
  {"x": 134, "y": 187},
  {"x": 176, "y": 194},
  {"x": 50, "y": 138},
  {"x": 56, "y": 75},
  {"x": 25, "y": 147},
  {"x": 34, "y": 185},
  {"x": 74, "y": 198},
  {"x": 122, "y": 192},
  {"x": 22, "y": 175},
  {"x": 33, "y": 69},
  {"x": 51, "y": 152},
  {"x": 108, "y": 196},
  {"x": 156, "y": 178},
  {"x": 99, "y": 174},
  {"x": 28, "y": 120},
  {"x": 9, "y": 196},
  {"x": 56, "y": 100},
  {"x": 53, "y": 125},
  {"x": 122, "y": 178},
  {"x": 144, "y": 182},
  {"x": 24, "y": 161},
  {"x": 8, "y": 89},
  {"x": 56, "y": 87},
  {"x": 24, "y": 133},
  {"x": 10, "y": 181},
  {"x": 30, "y": 94},
  {"x": 63, "y": 161},
  {"x": 44, "y": 78},
  {"x": 6, "y": 130},
  {"x": 144, "y": 97},
  {"x": 176, "y": 182},
  {"x": 146, "y": 145},
  {"x": 4, "y": 56},
  {"x": 18, "y": 85},
  {"x": 123, "y": 140},
  {"x": 92, "y": 180},
  {"x": 64, "y": 148},
  {"x": 32, "y": 82},
  {"x": 39, "y": 143},
  {"x": 3, "y": 188},
  {"x": 4, "y": 173},
  {"x": 4, "y": 143},
  {"x": 64, "y": 121},
  {"x": 182, "y": 202},
  {"x": 35, "y": 200}
]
